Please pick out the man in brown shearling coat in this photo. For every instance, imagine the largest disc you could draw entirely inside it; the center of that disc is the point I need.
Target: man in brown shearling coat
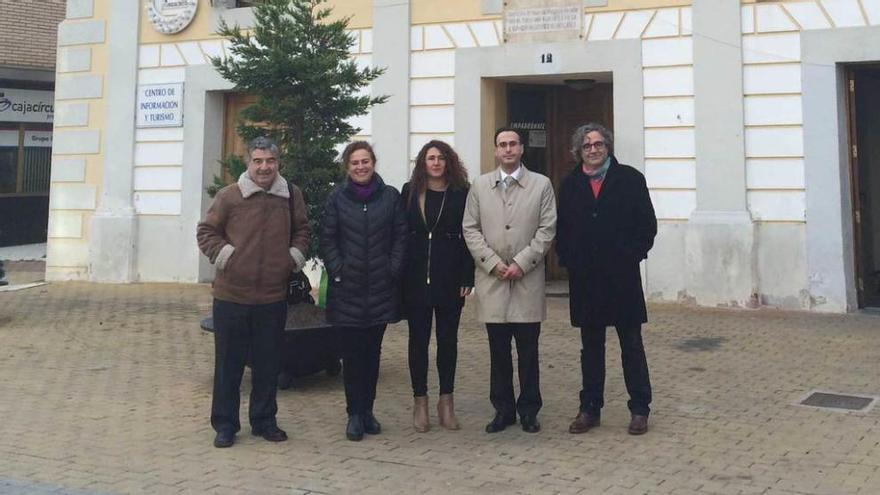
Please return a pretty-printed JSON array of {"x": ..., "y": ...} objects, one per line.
[{"x": 246, "y": 234}]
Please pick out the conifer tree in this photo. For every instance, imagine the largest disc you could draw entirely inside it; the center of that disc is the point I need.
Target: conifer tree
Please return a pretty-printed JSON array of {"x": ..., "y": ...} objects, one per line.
[{"x": 296, "y": 61}]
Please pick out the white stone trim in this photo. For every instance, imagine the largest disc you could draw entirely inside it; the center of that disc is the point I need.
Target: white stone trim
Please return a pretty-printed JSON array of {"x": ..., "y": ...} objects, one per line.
[
  {"x": 148, "y": 56},
  {"x": 81, "y": 32},
  {"x": 78, "y": 9},
  {"x": 775, "y": 173},
  {"x": 68, "y": 169},
  {"x": 780, "y": 206},
  {"x": 70, "y": 142},
  {"x": 64, "y": 196},
  {"x": 157, "y": 202},
  {"x": 65, "y": 224},
  {"x": 158, "y": 178},
  {"x": 71, "y": 114},
  {"x": 79, "y": 86},
  {"x": 844, "y": 13},
  {"x": 74, "y": 59},
  {"x": 70, "y": 254}
]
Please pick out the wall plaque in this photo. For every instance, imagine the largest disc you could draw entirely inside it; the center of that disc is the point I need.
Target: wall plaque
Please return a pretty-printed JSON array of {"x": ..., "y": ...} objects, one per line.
[
  {"x": 542, "y": 20},
  {"x": 171, "y": 16}
]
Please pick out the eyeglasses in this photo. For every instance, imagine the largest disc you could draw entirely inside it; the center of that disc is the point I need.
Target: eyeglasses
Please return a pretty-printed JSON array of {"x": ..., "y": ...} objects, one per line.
[{"x": 598, "y": 146}]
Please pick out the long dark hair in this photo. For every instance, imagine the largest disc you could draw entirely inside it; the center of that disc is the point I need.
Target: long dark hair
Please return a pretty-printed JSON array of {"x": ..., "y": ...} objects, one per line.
[{"x": 455, "y": 173}]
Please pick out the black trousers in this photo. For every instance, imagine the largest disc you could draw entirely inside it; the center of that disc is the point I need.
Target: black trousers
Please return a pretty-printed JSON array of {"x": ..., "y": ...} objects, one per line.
[
  {"x": 361, "y": 350},
  {"x": 419, "y": 319},
  {"x": 241, "y": 330},
  {"x": 501, "y": 380},
  {"x": 635, "y": 369}
]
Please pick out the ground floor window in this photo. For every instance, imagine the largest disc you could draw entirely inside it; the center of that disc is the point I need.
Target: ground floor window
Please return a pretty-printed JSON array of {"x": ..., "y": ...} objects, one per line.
[{"x": 25, "y": 158}]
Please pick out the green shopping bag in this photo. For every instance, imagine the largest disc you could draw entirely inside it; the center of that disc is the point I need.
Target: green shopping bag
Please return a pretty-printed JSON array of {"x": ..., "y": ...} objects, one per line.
[{"x": 322, "y": 289}]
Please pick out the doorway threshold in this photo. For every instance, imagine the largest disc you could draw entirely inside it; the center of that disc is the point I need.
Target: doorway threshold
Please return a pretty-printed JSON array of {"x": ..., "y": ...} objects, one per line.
[{"x": 556, "y": 288}]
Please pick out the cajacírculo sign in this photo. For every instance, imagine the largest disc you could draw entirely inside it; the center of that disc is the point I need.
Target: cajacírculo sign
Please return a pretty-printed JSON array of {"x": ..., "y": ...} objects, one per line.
[{"x": 21, "y": 105}]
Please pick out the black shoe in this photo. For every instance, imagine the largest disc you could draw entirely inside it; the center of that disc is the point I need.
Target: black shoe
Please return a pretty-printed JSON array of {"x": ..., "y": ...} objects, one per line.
[
  {"x": 271, "y": 433},
  {"x": 371, "y": 426},
  {"x": 224, "y": 439},
  {"x": 530, "y": 424},
  {"x": 499, "y": 423},
  {"x": 355, "y": 429}
]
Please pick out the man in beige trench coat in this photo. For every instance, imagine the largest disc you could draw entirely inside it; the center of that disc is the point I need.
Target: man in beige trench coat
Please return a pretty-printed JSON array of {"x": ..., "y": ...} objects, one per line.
[{"x": 509, "y": 223}]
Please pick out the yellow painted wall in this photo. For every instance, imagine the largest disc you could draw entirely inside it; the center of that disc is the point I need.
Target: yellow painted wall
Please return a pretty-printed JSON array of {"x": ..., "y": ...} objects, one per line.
[
  {"x": 202, "y": 27},
  {"x": 493, "y": 114},
  {"x": 360, "y": 12},
  {"x": 435, "y": 11},
  {"x": 614, "y": 5},
  {"x": 431, "y": 11}
]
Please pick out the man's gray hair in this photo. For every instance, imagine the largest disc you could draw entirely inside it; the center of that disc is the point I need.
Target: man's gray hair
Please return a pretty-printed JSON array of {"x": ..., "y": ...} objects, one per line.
[
  {"x": 577, "y": 139},
  {"x": 263, "y": 143}
]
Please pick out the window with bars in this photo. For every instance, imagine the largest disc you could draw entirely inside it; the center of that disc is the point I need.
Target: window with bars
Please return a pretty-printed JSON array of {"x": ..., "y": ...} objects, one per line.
[{"x": 25, "y": 158}]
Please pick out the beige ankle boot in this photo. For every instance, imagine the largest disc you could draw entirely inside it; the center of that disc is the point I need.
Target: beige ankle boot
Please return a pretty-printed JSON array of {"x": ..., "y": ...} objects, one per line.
[
  {"x": 420, "y": 414},
  {"x": 446, "y": 412}
]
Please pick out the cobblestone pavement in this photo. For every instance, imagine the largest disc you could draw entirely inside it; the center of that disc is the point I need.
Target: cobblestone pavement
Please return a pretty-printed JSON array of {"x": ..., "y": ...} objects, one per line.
[{"x": 105, "y": 389}]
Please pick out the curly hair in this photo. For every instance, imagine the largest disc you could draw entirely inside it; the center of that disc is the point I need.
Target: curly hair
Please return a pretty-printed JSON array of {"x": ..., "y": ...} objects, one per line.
[
  {"x": 456, "y": 175},
  {"x": 577, "y": 139},
  {"x": 355, "y": 146}
]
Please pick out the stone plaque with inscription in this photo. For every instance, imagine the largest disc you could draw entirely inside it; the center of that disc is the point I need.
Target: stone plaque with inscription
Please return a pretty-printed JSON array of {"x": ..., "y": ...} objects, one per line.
[{"x": 528, "y": 21}]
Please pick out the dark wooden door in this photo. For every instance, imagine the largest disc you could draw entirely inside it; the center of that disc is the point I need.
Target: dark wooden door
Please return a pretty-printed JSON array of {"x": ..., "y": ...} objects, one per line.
[
  {"x": 568, "y": 110},
  {"x": 232, "y": 143},
  {"x": 864, "y": 113}
]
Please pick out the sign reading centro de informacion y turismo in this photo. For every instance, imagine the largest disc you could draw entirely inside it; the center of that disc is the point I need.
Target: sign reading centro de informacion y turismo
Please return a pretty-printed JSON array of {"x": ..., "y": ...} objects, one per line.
[
  {"x": 22, "y": 105},
  {"x": 160, "y": 105}
]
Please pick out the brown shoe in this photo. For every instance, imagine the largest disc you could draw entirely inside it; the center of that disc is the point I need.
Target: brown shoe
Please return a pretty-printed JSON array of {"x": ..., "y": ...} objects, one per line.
[
  {"x": 446, "y": 412},
  {"x": 583, "y": 422},
  {"x": 638, "y": 425},
  {"x": 421, "y": 422}
]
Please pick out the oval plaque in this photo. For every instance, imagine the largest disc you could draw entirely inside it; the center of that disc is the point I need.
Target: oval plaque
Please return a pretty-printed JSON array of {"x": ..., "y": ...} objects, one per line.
[{"x": 171, "y": 16}]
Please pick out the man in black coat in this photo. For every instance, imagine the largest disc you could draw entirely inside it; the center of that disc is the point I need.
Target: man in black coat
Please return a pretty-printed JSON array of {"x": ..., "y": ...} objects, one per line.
[{"x": 605, "y": 229}]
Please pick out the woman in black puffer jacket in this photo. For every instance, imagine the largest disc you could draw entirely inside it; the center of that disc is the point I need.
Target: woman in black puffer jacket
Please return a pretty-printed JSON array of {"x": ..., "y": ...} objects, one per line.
[{"x": 363, "y": 246}]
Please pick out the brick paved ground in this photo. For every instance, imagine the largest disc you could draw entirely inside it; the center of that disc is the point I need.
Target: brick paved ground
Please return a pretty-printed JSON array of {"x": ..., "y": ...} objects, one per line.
[{"x": 106, "y": 389}]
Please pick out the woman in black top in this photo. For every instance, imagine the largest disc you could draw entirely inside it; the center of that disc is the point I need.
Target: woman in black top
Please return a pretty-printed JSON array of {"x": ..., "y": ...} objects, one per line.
[
  {"x": 439, "y": 273},
  {"x": 363, "y": 246}
]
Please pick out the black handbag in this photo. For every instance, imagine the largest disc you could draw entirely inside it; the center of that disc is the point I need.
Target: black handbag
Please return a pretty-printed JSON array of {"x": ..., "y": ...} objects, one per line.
[{"x": 299, "y": 289}]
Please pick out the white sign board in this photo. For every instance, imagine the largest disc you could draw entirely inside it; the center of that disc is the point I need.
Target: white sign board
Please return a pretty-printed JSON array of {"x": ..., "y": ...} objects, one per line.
[
  {"x": 537, "y": 139},
  {"x": 160, "y": 105},
  {"x": 542, "y": 20},
  {"x": 22, "y": 105},
  {"x": 38, "y": 139}
]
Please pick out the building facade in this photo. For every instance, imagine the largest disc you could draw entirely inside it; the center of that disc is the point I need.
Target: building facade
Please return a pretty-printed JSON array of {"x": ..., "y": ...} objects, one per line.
[
  {"x": 27, "y": 83},
  {"x": 752, "y": 122}
]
